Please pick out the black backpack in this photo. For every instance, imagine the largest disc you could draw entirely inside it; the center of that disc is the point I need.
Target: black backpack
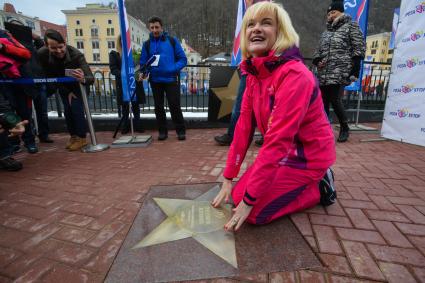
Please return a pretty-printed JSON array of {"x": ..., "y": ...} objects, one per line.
[{"x": 170, "y": 38}]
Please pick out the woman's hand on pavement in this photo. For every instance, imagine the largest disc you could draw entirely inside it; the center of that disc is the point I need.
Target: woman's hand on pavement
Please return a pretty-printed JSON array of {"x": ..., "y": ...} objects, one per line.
[
  {"x": 224, "y": 194},
  {"x": 241, "y": 213}
]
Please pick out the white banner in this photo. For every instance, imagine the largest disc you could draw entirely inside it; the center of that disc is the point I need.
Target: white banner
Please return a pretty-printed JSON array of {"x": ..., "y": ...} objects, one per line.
[{"x": 404, "y": 117}]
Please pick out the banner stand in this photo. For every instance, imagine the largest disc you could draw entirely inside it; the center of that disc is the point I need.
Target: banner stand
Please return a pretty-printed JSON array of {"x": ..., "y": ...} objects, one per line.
[
  {"x": 94, "y": 146},
  {"x": 358, "y": 127},
  {"x": 133, "y": 140}
]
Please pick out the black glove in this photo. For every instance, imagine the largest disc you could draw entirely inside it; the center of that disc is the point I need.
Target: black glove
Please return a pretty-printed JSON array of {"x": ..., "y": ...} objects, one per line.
[{"x": 355, "y": 71}]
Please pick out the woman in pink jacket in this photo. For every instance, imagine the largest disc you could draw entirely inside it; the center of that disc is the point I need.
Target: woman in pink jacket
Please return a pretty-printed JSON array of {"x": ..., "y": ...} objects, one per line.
[{"x": 282, "y": 96}]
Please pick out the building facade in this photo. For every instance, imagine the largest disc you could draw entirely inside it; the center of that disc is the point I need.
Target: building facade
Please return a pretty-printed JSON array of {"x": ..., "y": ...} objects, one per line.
[
  {"x": 377, "y": 48},
  {"x": 9, "y": 13},
  {"x": 94, "y": 29},
  {"x": 38, "y": 26}
]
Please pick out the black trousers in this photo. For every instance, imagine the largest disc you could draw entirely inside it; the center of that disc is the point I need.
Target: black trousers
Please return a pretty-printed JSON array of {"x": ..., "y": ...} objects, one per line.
[
  {"x": 332, "y": 94},
  {"x": 172, "y": 91}
]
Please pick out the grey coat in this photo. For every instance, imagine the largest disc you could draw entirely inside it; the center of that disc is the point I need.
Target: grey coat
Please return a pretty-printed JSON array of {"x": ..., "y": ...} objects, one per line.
[{"x": 340, "y": 46}]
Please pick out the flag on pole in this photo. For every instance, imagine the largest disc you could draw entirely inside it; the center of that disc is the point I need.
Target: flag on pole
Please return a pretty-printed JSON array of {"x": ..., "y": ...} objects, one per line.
[
  {"x": 236, "y": 53},
  {"x": 394, "y": 29},
  {"x": 127, "y": 64},
  {"x": 359, "y": 11}
]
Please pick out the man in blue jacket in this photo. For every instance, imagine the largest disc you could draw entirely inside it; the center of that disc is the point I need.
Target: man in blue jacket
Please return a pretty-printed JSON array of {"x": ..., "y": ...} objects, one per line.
[{"x": 163, "y": 69}]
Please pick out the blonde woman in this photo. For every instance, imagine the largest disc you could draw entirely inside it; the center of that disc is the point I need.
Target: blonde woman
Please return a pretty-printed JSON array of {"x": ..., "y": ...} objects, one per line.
[{"x": 283, "y": 97}]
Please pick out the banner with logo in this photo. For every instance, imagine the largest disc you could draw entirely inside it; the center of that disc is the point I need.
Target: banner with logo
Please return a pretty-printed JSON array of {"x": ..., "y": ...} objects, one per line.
[
  {"x": 404, "y": 116},
  {"x": 127, "y": 64},
  {"x": 236, "y": 53},
  {"x": 359, "y": 11}
]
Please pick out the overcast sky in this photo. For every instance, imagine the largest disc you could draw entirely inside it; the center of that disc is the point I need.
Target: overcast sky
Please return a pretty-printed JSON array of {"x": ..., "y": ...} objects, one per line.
[{"x": 48, "y": 10}]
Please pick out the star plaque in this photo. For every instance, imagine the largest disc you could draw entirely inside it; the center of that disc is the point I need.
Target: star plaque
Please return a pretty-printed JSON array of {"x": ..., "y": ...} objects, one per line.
[{"x": 195, "y": 219}]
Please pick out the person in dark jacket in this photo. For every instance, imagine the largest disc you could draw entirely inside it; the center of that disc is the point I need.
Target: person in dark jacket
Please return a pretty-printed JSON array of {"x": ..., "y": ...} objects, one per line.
[
  {"x": 115, "y": 67},
  {"x": 55, "y": 58},
  {"x": 338, "y": 59},
  {"x": 163, "y": 76},
  {"x": 32, "y": 69},
  {"x": 20, "y": 96}
]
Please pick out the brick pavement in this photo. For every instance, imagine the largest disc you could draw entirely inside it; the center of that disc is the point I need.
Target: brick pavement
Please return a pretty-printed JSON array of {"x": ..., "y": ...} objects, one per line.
[{"x": 64, "y": 217}]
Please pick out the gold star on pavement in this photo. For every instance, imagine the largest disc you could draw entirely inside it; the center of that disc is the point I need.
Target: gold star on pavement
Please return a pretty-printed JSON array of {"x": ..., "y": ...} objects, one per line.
[
  {"x": 197, "y": 219},
  {"x": 227, "y": 95}
]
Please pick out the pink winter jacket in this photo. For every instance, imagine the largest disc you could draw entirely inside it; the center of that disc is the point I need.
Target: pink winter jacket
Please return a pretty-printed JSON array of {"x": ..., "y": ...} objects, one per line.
[{"x": 283, "y": 97}]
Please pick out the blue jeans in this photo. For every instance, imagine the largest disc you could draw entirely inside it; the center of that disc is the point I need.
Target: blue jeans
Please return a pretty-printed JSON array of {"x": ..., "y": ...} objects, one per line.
[
  {"x": 74, "y": 115},
  {"x": 40, "y": 104},
  {"x": 236, "y": 111}
]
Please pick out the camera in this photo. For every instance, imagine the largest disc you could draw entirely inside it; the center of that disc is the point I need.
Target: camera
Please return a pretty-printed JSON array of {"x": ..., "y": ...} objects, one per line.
[{"x": 9, "y": 120}]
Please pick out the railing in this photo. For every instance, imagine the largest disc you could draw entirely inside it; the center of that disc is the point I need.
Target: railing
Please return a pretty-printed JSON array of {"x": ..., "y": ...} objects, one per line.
[
  {"x": 194, "y": 86},
  {"x": 375, "y": 80}
]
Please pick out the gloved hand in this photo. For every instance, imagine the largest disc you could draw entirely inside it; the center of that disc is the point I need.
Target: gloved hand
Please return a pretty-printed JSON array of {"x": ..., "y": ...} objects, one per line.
[{"x": 355, "y": 71}]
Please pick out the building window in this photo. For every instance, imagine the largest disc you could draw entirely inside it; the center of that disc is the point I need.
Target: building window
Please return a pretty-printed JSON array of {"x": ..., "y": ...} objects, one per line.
[
  {"x": 111, "y": 44},
  {"x": 373, "y": 51},
  {"x": 78, "y": 22},
  {"x": 110, "y": 22},
  {"x": 80, "y": 45},
  {"x": 95, "y": 44},
  {"x": 390, "y": 51},
  {"x": 96, "y": 57},
  {"x": 110, "y": 32},
  {"x": 79, "y": 32},
  {"x": 94, "y": 32}
]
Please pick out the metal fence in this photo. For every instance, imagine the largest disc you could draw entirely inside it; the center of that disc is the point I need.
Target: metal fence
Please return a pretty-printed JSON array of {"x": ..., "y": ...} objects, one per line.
[{"x": 194, "y": 86}]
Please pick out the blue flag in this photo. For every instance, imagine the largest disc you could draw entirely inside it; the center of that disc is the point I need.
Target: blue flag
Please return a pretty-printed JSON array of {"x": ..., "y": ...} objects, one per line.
[
  {"x": 359, "y": 11},
  {"x": 127, "y": 64}
]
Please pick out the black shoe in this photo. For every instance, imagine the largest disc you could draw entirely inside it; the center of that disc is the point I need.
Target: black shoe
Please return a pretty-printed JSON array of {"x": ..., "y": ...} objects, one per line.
[
  {"x": 327, "y": 189},
  {"x": 162, "y": 136},
  {"x": 32, "y": 148},
  {"x": 223, "y": 139},
  {"x": 10, "y": 164},
  {"x": 181, "y": 137},
  {"x": 16, "y": 148},
  {"x": 259, "y": 142},
  {"x": 46, "y": 140},
  {"x": 344, "y": 133}
]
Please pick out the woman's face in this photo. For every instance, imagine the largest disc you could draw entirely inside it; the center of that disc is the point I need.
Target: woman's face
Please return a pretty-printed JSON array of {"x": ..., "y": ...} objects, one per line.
[
  {"x": 261, "y": 34},
  {"x": 332, "y": 15}
]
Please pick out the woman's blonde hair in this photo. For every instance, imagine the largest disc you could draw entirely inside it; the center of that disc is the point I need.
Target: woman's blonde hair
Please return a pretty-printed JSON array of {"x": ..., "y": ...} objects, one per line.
[
  {"x": 286, "y": 38},
  {"x": 118, "y": 43}
]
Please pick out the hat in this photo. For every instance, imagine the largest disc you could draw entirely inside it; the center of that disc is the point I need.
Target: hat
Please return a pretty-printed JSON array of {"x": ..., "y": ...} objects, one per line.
[{"x": 336, "y": 5}]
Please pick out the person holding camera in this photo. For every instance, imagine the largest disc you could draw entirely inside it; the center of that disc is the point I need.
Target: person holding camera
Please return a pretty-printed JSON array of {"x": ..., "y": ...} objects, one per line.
[{"x": 59, "y": 59}]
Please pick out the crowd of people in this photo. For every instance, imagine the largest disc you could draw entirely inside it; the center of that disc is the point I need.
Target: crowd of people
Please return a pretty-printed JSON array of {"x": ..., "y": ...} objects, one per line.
[{"x": 278, "y": 95}]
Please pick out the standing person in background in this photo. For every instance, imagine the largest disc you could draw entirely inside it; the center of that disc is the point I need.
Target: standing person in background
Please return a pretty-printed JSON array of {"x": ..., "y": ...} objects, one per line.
[
  {"x": 55, "y": 57},
  {"x": 163, "y": 76},
  {"x": 338, "y": 57},
  {"x": 283, "y": 97},
  {"x": 115, "y": 67}
]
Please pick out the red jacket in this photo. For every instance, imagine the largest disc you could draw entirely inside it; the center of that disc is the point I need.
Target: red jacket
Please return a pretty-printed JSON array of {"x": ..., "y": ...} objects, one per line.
[
  {"x": 282, "y": 96},
  {"x": 12, "y": 55}
]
